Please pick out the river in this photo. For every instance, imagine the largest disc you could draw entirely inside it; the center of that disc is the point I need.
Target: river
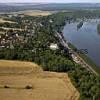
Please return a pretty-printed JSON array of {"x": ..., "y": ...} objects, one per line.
[{"x": 86, "y": 37}]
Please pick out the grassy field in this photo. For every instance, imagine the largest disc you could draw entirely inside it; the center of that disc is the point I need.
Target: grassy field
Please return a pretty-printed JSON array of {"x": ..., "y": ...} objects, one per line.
[{"x": 44, "y": 85}]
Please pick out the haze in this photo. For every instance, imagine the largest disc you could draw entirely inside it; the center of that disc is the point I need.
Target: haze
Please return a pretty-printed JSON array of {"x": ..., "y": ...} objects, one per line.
[{"x": 51, "y": 1}]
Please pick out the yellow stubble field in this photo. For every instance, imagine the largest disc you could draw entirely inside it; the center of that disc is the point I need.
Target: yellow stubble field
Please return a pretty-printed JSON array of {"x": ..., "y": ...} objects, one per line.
[{"x": 15, "y": 76}]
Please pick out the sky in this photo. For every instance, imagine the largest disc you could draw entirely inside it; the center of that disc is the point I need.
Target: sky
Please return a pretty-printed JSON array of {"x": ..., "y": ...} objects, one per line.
[{"x": 52, "y": 1}]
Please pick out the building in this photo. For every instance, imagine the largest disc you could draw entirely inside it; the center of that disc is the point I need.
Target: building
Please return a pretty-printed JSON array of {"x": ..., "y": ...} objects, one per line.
[{"x": 53, "y": 46}]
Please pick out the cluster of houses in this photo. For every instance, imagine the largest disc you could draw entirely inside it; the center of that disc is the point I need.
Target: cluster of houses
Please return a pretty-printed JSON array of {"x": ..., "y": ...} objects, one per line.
[
  {"x": 15, "y": 35},
  {"x": 8, "y": 39}
]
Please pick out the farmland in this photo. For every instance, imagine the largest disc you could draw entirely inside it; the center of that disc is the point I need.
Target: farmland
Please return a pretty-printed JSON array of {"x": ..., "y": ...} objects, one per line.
[
  {"x": 33, "y": 44},
  {"x": 5, "y": 21},
  {"x": 29, "y": 13},
  {"x": 36, "y": 13},
  {"x": 45, "y": 85}
]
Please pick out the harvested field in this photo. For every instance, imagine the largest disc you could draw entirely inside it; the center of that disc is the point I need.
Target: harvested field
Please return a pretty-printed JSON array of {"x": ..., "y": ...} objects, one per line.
[
  {"x": 43, "y": 85},
  {"x": 36, "y": 13},
  {"x": 18, "y": 67},
  {"x": 5, "y": 21}
]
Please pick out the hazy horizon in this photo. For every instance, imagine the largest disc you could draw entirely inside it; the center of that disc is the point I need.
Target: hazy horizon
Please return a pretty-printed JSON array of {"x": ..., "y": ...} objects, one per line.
[{"x": 50, "y": 1}]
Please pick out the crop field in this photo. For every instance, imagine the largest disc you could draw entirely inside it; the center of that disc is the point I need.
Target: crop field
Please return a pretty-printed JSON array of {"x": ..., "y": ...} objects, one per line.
[
  {"x": 27, "y": 81},
  {"x": 36, "y": 13},
  {"x": 17, "y": 67},
  {"x": 5, "y": 21}
]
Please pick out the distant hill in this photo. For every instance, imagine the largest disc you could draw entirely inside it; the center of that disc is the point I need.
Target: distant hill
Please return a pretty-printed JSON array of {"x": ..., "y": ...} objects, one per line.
[{"x": 11, "y": 7}]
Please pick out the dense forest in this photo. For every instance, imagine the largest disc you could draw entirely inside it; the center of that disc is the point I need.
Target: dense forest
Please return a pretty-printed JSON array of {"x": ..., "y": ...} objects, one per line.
[{"x": 37, "y": 50}]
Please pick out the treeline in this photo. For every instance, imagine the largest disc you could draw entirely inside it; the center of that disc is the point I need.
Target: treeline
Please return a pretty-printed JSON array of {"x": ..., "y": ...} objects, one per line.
[
  {"x": 37, "y": 50},
  {"x": 87, "y": 83}
]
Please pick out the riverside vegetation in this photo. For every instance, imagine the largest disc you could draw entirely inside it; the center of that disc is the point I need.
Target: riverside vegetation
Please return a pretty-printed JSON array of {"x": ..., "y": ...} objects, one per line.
[{"x": 34, "y": 47}]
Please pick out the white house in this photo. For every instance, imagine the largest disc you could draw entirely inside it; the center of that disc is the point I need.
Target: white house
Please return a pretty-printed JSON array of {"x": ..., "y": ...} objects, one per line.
[{"x": 53, "y": 46}]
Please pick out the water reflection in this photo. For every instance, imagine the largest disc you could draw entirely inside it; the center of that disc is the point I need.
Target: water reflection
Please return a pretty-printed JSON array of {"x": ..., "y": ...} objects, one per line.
[
  {"x": 79, "y": 25},
  {"x": 86, "y": 37}
]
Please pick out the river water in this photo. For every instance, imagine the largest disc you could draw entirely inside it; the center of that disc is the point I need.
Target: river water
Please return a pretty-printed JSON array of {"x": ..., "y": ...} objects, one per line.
[{"x": 86, "y": 37}]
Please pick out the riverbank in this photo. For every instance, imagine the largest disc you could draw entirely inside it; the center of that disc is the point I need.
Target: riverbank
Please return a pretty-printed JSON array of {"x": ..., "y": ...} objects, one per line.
[
  {"x": 75, "y": 56},
  {"x": 86, "y": 38},
  {"x": 86, "y": 59}
]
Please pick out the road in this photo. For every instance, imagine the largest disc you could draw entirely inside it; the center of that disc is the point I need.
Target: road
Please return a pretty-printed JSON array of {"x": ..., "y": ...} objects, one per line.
[{"x": 76, "y": 57}]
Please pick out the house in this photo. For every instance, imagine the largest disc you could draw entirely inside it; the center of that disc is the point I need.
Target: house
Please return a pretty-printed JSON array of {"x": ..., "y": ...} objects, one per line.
[
  {"x": 51, "y": 21},
  {"x": 53, "y": 46}
]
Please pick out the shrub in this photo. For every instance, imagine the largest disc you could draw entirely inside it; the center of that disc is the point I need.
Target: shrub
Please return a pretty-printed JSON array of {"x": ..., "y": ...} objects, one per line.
[
  {"x": 29, "y": 87},
  {"x": 6, "y": 86}
]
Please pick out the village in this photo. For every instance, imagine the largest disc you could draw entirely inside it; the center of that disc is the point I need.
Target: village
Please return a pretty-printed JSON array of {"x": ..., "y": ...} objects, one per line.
[{"x": 10, "y": 36}]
